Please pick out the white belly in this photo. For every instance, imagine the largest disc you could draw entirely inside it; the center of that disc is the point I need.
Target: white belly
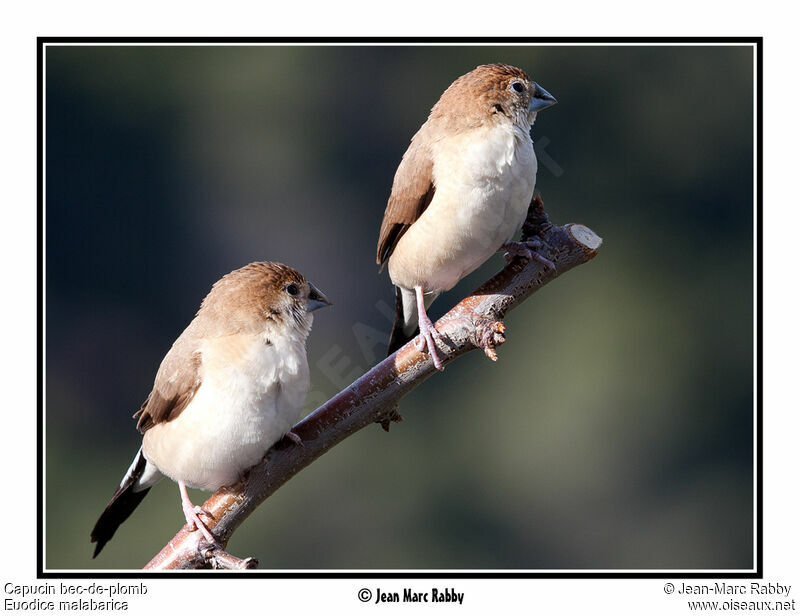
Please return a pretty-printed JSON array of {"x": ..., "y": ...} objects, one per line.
[
  {"x": 484, "y": 184},
  {"x": 234, "y": 417}
]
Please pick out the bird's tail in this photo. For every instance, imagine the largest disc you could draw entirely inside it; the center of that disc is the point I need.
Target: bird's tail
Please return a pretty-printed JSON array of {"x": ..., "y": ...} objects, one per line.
[
  {"x": 403, "y": 329},
  {"x": 135, "y": 485}
]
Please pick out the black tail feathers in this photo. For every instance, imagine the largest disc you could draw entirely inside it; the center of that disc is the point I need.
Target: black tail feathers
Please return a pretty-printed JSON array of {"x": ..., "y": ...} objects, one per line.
[
  {"x": 397, "y": 337},
  {"x": 119, "y": 509}
]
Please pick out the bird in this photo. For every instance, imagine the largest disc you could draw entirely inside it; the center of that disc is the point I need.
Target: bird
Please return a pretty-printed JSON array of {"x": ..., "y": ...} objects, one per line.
[
  {"x": 460, "y": 193},
  {"x": 232, "y": 385}
]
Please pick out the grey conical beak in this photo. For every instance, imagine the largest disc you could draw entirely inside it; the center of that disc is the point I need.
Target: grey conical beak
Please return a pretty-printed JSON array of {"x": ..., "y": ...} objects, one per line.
[
  {"x": 316, "y": 299},
  {"x": 542, "y": 99}
]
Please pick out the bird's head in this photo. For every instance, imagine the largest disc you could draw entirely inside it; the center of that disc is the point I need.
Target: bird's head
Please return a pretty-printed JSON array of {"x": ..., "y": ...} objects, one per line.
[
  {"x": 264, "y": 296},
  {"x": 493, "y": 92}
]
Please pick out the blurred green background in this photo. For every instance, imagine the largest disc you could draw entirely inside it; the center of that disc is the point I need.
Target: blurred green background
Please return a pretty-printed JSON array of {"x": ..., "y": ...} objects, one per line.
[{"x": 616, "y": 431}]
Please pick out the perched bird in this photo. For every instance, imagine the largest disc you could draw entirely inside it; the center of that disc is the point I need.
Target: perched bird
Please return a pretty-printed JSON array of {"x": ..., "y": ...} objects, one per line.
[
  {"x": 461, "y": 192},
  {"x": 233, "y": 384}
]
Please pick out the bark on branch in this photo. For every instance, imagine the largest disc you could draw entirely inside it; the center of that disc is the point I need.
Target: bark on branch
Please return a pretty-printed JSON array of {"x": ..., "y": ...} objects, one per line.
[{"x": 476, "y": 322}]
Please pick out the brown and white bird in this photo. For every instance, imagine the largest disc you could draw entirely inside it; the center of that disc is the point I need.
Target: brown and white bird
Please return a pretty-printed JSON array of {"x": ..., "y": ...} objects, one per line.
[
  {"x": 461, "y": 192},
  {"x": 233, "y": 384}
]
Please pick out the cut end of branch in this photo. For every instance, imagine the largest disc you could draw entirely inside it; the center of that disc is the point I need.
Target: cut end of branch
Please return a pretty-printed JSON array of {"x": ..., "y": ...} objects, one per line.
[{"x": 585, "y": 236}]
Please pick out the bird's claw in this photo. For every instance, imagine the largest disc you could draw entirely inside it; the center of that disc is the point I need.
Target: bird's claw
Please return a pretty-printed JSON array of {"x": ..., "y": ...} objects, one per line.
[
  {"x": 294, "y": 438},
  {"x": 527, "y": 249},
  {"x": 428, "y": 335},
  {"x": 193, "y": 521},
  {"x": 200, "y": 511}
]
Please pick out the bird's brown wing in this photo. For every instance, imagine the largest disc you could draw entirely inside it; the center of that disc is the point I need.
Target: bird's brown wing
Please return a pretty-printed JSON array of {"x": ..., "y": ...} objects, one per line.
[
  {"x": 176, "y": 383},
  {"x": 412, "y": 192}
]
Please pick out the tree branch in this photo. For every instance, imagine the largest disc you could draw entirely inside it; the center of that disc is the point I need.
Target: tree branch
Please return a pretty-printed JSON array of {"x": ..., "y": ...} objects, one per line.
[{"x": 474, "y": 323}]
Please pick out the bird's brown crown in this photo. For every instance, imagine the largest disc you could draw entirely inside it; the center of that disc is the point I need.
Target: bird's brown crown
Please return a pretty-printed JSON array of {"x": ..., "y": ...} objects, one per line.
[
  {"x": 486, "y": 90},
  {"x": 259, "y": 291}
]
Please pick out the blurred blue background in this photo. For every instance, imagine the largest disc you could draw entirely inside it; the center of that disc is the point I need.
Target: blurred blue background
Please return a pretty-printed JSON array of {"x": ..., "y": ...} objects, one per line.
[{"x": 616, "y": 431}]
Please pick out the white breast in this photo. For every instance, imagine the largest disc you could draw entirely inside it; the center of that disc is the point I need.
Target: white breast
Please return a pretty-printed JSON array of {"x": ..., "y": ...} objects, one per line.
[
  {"x": 484, "y": 183},
  {"x": 251, "y": 395}
]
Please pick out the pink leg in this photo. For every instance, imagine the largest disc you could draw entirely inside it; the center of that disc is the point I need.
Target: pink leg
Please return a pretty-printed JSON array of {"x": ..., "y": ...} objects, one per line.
[
  {"x": 528, "y": 250},
  {"x": 191, "y": 512},
  {"x": 427, "y": 332}
]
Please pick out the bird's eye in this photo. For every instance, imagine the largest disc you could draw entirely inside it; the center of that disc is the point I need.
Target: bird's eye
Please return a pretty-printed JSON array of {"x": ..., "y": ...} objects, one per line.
[
  {"x": 518, "y": 87},
  {"x": 292, "y": 289}
]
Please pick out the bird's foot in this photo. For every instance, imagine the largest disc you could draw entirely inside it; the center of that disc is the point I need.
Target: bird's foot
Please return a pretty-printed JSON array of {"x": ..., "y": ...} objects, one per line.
[
  {"x": 200, "y": 511},
  {"x": 294, "y": 438},
  {"x": 428, "y": 335},
  {"x": 192, "y": 514},
  {"x": 527, "y": 249}
]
